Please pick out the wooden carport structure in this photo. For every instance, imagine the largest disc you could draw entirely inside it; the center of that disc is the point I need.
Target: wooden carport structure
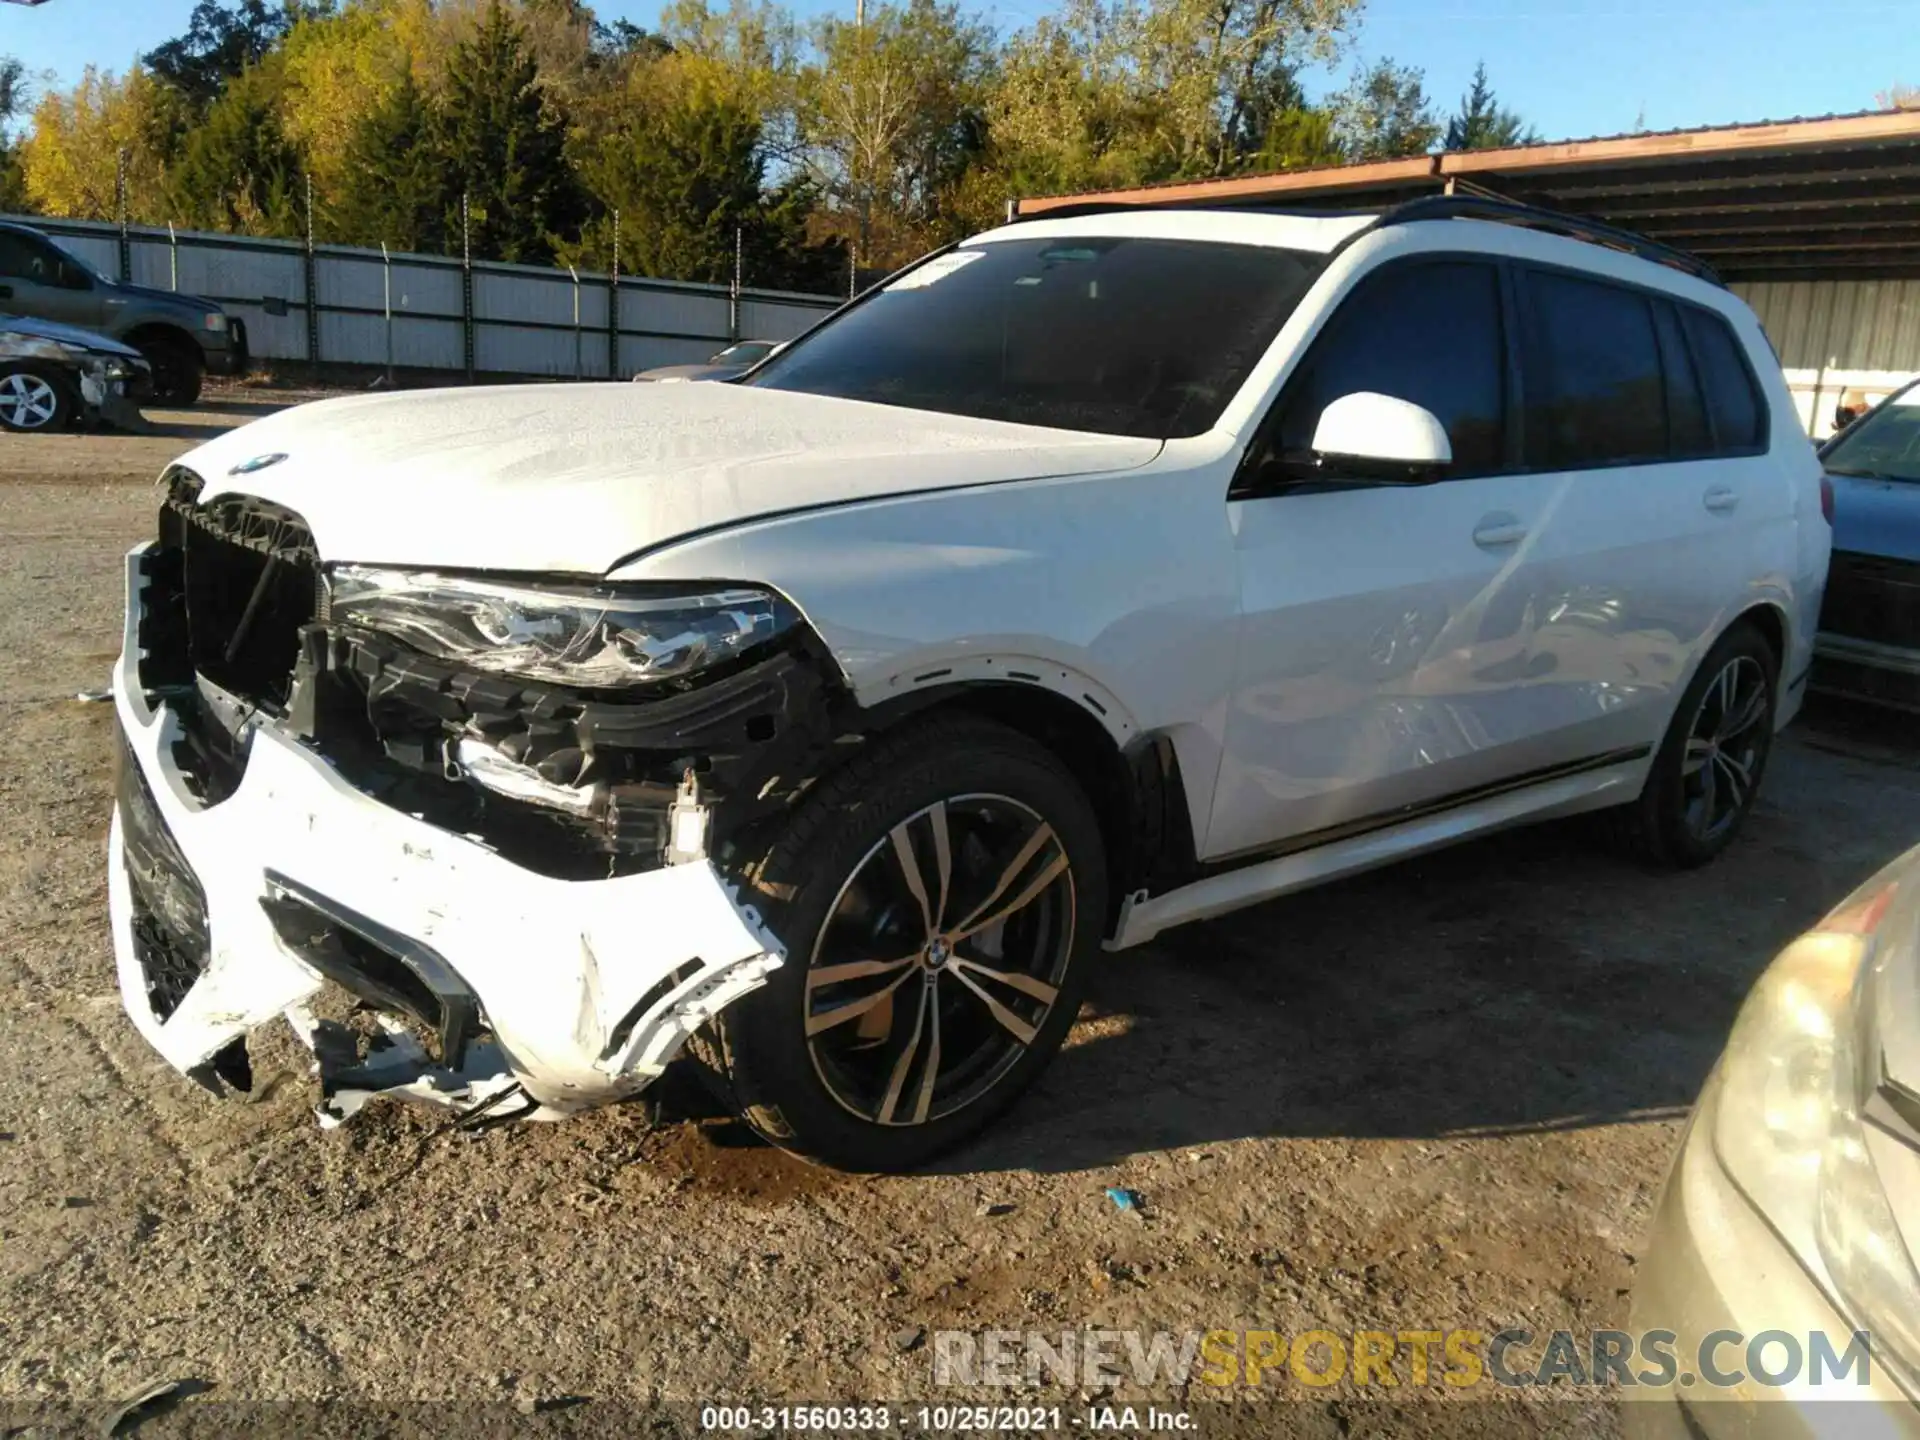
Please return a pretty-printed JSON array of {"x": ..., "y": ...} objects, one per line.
[{"x": 1816, "y": 222}]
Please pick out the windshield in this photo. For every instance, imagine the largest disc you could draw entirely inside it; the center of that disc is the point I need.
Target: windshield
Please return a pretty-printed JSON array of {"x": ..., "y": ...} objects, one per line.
[
  {"x": 1885, "y": 445},
  {"x": 1138, "y": 337}
]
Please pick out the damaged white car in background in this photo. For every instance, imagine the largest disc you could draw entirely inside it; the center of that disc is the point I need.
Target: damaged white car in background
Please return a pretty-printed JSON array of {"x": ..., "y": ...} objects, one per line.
[
  {"x": 1098, "y": 575},
  {"x": 55, "y": 376}
]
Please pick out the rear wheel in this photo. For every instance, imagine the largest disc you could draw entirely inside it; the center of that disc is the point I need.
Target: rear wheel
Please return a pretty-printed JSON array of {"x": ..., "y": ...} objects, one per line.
[
  {"x": 178, "y": 370},
  {"x": 941, "y": 901},
  {"x": 35, "y": 398},
  {"x": 1708, "y": 770}
]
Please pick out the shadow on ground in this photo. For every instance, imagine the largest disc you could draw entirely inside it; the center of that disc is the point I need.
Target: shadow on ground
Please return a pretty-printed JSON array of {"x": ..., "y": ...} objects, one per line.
[{"x": 1525, "y": 983}]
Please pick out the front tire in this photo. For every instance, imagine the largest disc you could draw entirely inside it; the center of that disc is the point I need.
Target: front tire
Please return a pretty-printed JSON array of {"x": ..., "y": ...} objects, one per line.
[
  {"x": 178, "y": 371},
  {"x": 36, "y": 399},
  {"x": 942, "y": 899},
  {"x": 1709, "y": 767}
]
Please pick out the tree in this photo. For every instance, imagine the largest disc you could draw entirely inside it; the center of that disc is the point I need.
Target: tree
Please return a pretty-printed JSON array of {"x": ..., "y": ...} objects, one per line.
[
  {"x": 339, "y": 69},
  {"x": 1899, "y": 97},
  {"x": 238, "y": 171},
  {"x": 1071, "y": 111},
  {"x": 221, "y": 42},
  {"x": 756, "y": 45},
  {"x": 1227, "y": 67},
  {"x": 393, "y": 187},
  {"x": 13, "y": 100},
  {"x": 685, "y": 169},
  {"x": 1384, "y": 114},
  {"x": 1482, "y": 124},
  {"x": 505, "y": 148},
  {"x": 1299, "y": 139},
  {"x": 684, "y": 172},
  {"x": 893, "y": 115},
  {"x": 624, "y": 40},
  {"x": 781, "y": 251},
  {"x": 1120, "y": 92},
  {"x": 70, "y": 159}
]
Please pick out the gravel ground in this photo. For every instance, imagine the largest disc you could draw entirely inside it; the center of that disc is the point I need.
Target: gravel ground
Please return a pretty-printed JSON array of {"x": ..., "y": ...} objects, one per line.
[{"x": 1440, "y": 1096}]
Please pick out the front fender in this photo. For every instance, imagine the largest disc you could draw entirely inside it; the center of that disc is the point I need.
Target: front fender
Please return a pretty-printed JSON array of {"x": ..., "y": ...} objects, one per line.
[{"x": 1118, "y": 591}]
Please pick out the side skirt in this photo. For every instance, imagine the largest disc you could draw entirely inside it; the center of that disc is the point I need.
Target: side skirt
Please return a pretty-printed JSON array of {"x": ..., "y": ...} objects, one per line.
[{"x": 1610, "y": 780}]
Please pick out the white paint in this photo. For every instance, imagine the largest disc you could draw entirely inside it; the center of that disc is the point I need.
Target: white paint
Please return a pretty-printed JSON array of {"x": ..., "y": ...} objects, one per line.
[
  {"x": 1141, "y": 918},
  {"x": 1313, "y": 657},
  {"x": 556, "y": 964},
  {"x": 1365, "y": 426},
  {"x": 573, "y": 478},
  {"x": 1317, "y": 658}
]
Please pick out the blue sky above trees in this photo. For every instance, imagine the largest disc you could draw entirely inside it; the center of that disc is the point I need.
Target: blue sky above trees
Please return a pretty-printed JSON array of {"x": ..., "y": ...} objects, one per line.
[{"x": 1570, "y": 68}]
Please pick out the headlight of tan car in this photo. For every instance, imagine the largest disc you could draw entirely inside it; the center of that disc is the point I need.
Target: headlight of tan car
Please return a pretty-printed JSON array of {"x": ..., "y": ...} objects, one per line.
[{"x": 1802, "y": 1067}]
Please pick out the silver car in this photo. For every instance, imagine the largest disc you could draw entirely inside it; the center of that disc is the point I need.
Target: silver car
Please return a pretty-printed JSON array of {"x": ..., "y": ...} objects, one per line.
[
  {"x": 54, "y": 376},
  {"x": 1793, "y": 1207},
  {"x": 727, "y": 364}
]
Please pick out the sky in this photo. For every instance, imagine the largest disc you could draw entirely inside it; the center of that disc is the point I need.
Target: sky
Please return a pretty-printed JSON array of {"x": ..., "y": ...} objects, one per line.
[{"x": 1572, "y": 68}]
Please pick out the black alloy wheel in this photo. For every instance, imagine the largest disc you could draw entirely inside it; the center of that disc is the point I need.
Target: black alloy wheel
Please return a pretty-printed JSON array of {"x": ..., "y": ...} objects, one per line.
[{"x": 940, "y": 899}]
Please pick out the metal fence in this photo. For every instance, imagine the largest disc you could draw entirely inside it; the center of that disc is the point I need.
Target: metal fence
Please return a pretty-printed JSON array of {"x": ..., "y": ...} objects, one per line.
[
  {"x": 1838, "y": 339},
  {"x": 339, "y": 304}
]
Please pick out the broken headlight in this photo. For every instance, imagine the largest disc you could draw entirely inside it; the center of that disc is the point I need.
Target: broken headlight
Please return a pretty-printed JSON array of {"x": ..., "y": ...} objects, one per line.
[{"x": 593, "y": 638}]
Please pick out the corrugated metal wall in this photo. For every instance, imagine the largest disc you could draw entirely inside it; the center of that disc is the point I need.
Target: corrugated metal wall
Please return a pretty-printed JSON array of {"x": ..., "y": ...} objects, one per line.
[
  {"x": 524, "y": 320},
  {"x": 1843, "y": 324},
  {"x": 1839, "y": 340}
]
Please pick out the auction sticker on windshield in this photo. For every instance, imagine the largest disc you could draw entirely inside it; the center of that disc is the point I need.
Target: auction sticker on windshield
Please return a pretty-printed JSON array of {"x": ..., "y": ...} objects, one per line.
[{"x": 936, "y": 270}]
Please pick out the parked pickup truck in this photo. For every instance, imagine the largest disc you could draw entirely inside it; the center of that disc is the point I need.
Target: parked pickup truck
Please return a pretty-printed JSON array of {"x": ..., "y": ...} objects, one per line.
[{"x": 181, "y": 336}]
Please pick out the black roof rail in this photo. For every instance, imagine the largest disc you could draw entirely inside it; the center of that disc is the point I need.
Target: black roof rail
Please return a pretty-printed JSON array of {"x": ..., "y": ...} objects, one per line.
[
  {"x": 1552, "y": 222},
  {"x": 1428, "y": 207}
]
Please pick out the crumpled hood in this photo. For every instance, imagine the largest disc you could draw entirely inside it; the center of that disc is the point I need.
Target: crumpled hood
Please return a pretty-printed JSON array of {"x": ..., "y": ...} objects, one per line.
[
  {"x": 1876, "y": 517},
  {"x": 574, "y": 478},
  {"x": 64, "y": 335}
]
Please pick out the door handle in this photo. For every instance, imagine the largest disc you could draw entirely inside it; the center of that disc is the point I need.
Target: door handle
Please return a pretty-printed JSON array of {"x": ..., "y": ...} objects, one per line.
[
  {"x": 1720, "y": 499},
  {"x": 1498, "y": 530}
]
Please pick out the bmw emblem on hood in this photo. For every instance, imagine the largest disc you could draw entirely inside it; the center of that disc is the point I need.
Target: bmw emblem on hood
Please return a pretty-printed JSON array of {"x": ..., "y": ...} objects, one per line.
[{"x": 258, "y": 462}]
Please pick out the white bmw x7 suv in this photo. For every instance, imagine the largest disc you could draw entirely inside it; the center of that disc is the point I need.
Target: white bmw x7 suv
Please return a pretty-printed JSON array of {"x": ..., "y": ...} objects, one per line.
[{"x": 1094, "y": 575}]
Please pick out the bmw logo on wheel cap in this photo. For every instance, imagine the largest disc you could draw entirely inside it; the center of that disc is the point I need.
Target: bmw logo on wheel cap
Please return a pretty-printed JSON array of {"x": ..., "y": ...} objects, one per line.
[{"x": 258, "y": 462}]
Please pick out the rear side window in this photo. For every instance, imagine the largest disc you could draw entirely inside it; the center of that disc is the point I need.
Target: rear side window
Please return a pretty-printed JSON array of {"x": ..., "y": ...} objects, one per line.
[
  {"x": 1596, "y": 392},
  {"x": 1733, "y": 399},
  {"x": 1688, "y": 434},
  {"x": 1428, "y": 333},
  {"x": 22, "y": 259}
]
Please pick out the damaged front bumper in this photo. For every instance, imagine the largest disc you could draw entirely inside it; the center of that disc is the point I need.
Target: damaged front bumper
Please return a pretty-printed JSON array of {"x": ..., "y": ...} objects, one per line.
[{"x": 491, "y": 986}]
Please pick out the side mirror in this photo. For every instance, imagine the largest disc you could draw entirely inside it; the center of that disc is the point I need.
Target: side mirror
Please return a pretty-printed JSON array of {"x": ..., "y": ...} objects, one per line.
[
  {"x": 72, "y": 277},
  {"x": 1381, "y": 437}
]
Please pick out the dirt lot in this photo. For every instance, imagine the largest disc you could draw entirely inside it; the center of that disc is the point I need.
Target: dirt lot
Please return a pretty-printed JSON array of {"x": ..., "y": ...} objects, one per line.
[{"x": 1436, "y": 1097}]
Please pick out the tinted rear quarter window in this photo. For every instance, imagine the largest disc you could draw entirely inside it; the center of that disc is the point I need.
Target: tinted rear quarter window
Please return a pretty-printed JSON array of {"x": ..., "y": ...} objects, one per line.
[
  {"x": 1428, "y": 333},
  {"x": 1596, "y": 394},
  {"x": 1689, "y": 435},
  {"x": 1733, "y": 398}
]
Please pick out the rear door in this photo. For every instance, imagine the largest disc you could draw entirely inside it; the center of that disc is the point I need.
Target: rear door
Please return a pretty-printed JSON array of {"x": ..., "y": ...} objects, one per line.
[
  {"x": 1383, "y": 625},
  {"x": 1639, "y": 412}
]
